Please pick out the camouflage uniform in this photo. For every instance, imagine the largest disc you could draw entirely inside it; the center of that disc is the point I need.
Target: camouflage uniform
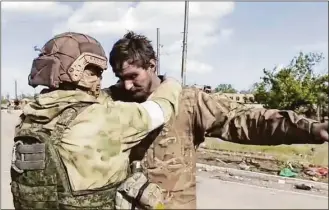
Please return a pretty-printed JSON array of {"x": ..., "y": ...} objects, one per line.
[
  {"x": 70, "y": 151},
  {"x": 168, "y": 155}
]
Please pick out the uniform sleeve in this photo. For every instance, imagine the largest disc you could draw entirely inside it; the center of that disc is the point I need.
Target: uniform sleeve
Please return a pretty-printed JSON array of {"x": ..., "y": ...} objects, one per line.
[
  {"x": 136, "y": 120},
  {"x": 19, "y": 123},
  {"x": 234, "y": 122}
]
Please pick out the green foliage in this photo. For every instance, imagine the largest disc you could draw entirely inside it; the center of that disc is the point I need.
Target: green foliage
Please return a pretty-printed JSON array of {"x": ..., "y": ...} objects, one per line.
[
  {"x": 225, "y": 88},
  {"x": 3, "y": 100},
  {"x": 245, "y": 92},
  {"x": 293, "y": 86}
]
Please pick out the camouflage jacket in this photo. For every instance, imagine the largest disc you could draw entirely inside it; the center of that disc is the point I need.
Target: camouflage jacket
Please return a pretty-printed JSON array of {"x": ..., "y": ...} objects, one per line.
[
  {"x": 168, "y": 154},
  {"x": 94, "y": 144}
]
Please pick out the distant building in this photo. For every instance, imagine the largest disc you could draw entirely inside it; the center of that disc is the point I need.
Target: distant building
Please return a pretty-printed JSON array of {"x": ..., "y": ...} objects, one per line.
[
  {"x": 205, "y": 88},
  {"x": 246, "y": 99},
  {"x": 242, "y": 98}
]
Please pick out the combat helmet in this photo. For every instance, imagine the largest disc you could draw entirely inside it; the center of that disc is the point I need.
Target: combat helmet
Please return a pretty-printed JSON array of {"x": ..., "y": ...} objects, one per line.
[{"x": 63, "y": 59}]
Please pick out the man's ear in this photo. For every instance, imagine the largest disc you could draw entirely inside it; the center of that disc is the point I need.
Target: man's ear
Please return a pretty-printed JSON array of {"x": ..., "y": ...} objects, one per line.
[{"x": 152, "y": 67}]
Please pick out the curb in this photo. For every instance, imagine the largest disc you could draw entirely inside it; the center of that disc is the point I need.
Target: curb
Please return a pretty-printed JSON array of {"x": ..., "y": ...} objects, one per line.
[
  {"x": 261, "y": 176},
  {"x": 11, "y": 111}
]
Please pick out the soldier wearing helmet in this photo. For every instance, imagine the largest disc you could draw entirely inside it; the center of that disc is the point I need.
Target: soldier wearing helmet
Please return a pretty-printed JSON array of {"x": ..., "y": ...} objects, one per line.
[
  {"x": 69, "y": 150},
  {"x": 16, "y": 104}
]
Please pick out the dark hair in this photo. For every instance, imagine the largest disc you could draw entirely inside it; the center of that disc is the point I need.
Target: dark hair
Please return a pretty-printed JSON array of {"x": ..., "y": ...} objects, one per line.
[{"x": 134, "y": 48}]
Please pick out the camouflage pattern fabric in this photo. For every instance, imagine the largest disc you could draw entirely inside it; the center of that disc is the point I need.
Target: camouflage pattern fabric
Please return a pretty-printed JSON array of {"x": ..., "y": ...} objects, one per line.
[
  {"x": 48, "y": 187},
  {"x": 168, "y": 154},
  {"x": 98, "y": 136},
  {"x": 92, "y": 147}
]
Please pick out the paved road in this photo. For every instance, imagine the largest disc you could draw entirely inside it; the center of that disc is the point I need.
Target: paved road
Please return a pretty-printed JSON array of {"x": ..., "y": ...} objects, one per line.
[
  {"x": 7, "y": 131},
  {"x": 211, "y": 193},
  {"x": 214, "y": 194}
]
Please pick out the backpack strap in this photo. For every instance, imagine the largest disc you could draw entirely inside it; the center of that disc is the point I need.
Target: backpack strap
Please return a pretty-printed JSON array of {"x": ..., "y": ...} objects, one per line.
[{"x": 67, "y": 116}]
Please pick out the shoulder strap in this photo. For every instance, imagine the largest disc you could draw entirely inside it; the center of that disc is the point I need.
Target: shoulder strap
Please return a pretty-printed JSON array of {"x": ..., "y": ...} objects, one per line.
[{"x": 65, "y": 118}]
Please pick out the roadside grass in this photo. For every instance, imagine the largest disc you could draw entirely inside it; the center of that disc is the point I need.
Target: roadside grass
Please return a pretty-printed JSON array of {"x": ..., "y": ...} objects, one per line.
[{"x": 306, "y": 154}]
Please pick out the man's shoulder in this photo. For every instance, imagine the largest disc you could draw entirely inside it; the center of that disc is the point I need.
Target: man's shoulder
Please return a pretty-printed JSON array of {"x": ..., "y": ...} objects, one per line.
[
  {"x": 93, "y": 113},
  {"x": 106, "y": 95},
  {"x": 113, "y": 93},
  {"x": 106, "y": 92},
  {"x": 190, "y": 92},
  {"x": 188, "y": 97}
]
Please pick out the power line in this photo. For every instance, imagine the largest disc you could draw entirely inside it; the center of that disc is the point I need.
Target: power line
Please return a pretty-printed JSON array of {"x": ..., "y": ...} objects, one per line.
[
  {"x": 15, "y": 89},
  {"x": 184, "y": 53}
]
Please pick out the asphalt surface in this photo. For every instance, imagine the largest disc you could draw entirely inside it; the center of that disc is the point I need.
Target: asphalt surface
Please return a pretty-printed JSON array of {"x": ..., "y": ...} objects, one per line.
[
  {"x": 214, "y": 194},
  {"x": 211, "y": 193}
]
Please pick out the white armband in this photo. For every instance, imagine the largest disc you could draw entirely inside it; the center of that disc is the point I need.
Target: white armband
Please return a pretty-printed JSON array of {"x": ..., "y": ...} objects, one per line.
[{"x": 155, "y": 112}]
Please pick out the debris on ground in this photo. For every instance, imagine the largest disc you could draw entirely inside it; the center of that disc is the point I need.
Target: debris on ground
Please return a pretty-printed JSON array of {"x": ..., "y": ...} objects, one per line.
[
  {"x": 287, "y": 172},
  {"x": 316, "y": 171},
  {"x": 303, "y": 187},
  {"x": 263, "y": 163},
  {"x": 280, "y": 181},
  {"x": 323, "y": 171},
  {"x": 310, "y": 171},
  {"x": 243, "y": 165},
  {"x": 219, "y": 160},
  {"x": 238, "y": 178},
  {"x": 314, "y": 179}
]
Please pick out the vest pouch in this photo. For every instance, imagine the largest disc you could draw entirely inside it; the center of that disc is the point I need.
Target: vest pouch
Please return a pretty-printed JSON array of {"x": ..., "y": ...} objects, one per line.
[
  {"x": 36, "y": 197},
  {"x": 137, "y": 193},
  {"x": 34, "y": 181}
]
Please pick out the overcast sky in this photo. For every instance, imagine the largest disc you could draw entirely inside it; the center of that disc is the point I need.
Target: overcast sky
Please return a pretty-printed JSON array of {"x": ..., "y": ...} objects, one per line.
[{"x": 227, "y": 42}]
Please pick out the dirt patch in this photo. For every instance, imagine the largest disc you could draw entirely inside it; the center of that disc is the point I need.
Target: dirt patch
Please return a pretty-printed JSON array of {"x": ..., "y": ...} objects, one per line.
[{"x": 257, "y": 162}]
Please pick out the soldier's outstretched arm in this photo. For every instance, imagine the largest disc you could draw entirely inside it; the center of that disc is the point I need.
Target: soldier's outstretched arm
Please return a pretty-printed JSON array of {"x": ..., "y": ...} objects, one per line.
[
  {"x": 135, "y": 120},
  {"x": 234, "y": 122}
]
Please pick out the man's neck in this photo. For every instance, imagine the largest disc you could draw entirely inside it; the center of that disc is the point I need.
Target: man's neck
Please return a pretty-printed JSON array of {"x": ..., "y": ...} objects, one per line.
[{"x": 156, "y": 81}]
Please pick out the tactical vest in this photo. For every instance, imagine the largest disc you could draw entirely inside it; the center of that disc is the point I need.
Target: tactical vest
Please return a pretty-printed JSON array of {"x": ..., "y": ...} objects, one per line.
[
  {"x": 39, "y": 177},
  {"x": 168, "y": 156}
]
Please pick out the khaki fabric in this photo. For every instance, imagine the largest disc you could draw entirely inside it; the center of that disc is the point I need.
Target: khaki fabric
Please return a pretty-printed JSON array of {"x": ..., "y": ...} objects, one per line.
[{"x": 168, "y": 154}]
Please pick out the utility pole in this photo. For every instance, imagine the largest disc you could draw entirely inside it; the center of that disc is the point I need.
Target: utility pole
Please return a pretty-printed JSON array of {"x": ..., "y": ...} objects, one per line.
[
  {"x": 158, "y": 51},
  {"x": 184, "y": 53},
  {"x": 15, "y": 89}
]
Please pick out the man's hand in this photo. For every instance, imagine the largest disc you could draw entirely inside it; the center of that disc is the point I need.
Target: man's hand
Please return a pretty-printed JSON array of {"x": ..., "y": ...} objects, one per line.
[{"x": 320, "y": 131}]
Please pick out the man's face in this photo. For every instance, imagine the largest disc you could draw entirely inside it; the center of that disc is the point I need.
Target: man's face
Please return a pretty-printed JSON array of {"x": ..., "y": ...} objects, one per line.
[{"x": 137, "y": 81}]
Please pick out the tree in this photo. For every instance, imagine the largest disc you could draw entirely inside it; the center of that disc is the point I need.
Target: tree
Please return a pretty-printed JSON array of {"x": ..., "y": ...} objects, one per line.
[
  {"x": 322, "y": 96},
  {"x": 294, "y": 86},
  {"x": 3, "y": 100},
  {"x": 225, "y": 88},
  {"x": 245, "y": 92}
]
